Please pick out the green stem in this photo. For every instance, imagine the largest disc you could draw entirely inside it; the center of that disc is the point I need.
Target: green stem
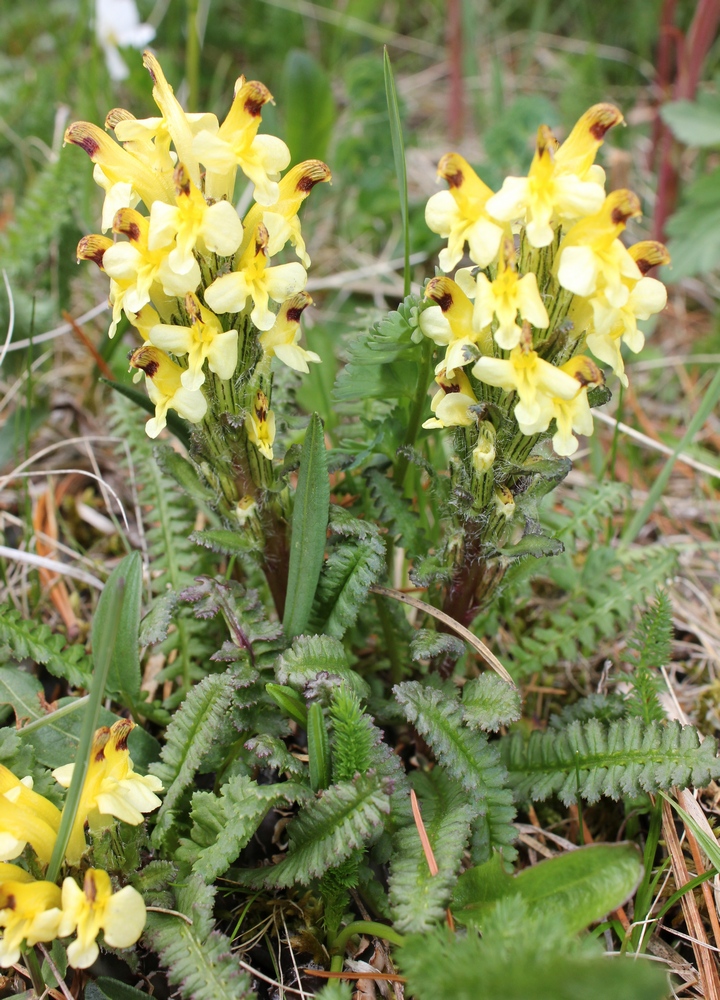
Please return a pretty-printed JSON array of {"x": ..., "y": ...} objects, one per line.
[
  {"x": 35, "y": 971},
  {"x": 369, "y": 927},
  {"x": 396, "y": 668},
  {"x": 192, "y": 56},
  {"x": 59, "y": 713}
]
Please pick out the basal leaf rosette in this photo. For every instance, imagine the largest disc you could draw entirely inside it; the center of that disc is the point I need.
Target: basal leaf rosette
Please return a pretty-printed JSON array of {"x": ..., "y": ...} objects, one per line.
[{"x": 200, "y": 284}]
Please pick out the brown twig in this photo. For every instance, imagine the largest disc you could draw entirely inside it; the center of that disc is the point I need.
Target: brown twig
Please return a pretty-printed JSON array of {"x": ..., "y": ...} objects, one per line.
[{"x": 77, "y": 330}]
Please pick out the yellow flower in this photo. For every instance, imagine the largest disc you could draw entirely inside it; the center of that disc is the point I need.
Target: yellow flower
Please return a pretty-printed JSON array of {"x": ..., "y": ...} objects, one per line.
[
  {"x": 192, "y": 222},
  {"x": 281, "y": 221},
  {"x": 144, "y": 321},
  {"x": 236, "y": 144},
  {"x": 163, "y": 381},
  {"x": 505, "y": 299},
  {"x": 29, "y": 911},
  {"x": 204, "y": 340},
  {"x": 118, "y": 165},
  {"x": 25, "y": 817},
  {"x": 483, "y": 455},
  {"x": 591, "y": 255},
  {"x": 175, "y": 125},
  {"x": 459, "y": 214},
  {"x": 260, "y": 425},
  {"x": 561, "y": 184},
  {"x": 451, "y": 403},
  {"x": 140, "y": 267},
  {"x": 111, "y": 788},
  {"x": 117, "y": 195},
  {"x": 254, "y": 279},
  {"x": 281, "y": 340},
  {"x": 536, "y": 382},
  {"x": 450, "y": 323},
  {"x": 94, "y": 908},
  {"x": 610, "y": 325}
]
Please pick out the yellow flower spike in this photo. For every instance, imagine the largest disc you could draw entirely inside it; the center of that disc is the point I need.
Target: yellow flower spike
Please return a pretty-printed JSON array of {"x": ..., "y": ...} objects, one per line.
[
  {"x": 577, "y": 154},
  {"x": 449, "y": 323},
  {"x": 163, "y": 381},
  {"x": 574, "y": 414},
  {"x": 591, "y": 253},
  {"x": 204, "y": 340},
  {"x": 236, "y": 144},
  {"x": 192, "y": 222},
  {"x": 546, "y": 195},
  {"x": 536, "y": 382},
  {"x": 174, "y": 125},
  {"x": 260, "y": 425},
  {"x": 608, "y": 325},
  {"x": 254, "y": 279},
  {"x": 459, "y": 215},
  {"x": 483, "y": 455},
  {"x": 149, "y": 142},
  {"x": 111, "y": 788},
  {"x": 451, "y": 403},
  {"x": 94, "y": 908},
  {"x": 281, "y": 340},
  {"x": 25, "y": 817},
  {"x": 134, "y": 262},
  {"x": 505, "y": 299},
  {"x": 29, "y": 911},
  {"x": 118, "y": 165},
  {"x": 281, "y": 221}
]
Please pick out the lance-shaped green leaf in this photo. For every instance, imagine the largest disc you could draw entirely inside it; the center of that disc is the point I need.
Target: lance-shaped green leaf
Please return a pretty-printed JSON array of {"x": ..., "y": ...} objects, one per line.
[
  {"x": 125, "y": 674},
  {"x": 318, "y": 748},
  {"x": 309, "y": 529},
  {"x": 579, "y": 887}
]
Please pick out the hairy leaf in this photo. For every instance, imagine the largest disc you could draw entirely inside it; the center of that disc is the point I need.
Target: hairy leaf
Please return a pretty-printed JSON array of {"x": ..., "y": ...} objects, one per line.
[
  {"x": 595, "y": 758},
  {"x": 348, "y": 574},
  {"x": 489, "y": 702},
  {"x": 428, "y": 643},
  {"x": 327, "y": 831},
  {"x": 34, "y": 640},
  {"x": 311, "y": 655}
]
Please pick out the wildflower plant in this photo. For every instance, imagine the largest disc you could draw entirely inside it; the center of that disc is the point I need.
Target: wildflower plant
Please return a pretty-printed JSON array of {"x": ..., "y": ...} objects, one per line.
[{"x": 476, "y": 391}]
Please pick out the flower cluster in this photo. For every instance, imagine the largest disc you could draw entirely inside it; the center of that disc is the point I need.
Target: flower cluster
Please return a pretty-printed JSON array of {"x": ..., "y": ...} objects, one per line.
[
  {"x": 551, "y": 277},
  {"x": 35, "y": 911},
  {"x": 190, "y": 275}
]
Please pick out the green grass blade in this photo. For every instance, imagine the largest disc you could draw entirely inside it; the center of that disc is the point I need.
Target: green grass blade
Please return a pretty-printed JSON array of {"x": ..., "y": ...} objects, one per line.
[
  {"x": 309, "y": 529},
  {"x": 105, "y": 629},
  {"x": 125, "y": 673},
  {"x": 318, "y": 748},
  {"x": 706, "y": 407},
  {"x": 399, "y": 156}
]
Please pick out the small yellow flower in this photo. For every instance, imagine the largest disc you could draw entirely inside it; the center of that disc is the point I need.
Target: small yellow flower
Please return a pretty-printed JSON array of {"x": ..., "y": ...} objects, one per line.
[
  {"x": 591, "y": 255},
  {"x": 117, "y": 195},
  {"x": 111, "y": 788},
  {"x": 94, "y": 908},
  {"x": 562, "y": 184},
  {"x": 254, "y": 279},
  {"x": 29, "y": 911},
  {"x": 451, "y": 403},
  {"x": 536, "y": 381},
  {"x": 281, "y": 220},
  {"x": 281, "y": 340},
  {"x": 236, "y": 144},
  {"x": 163, "y": 380},
  {"x": 505, "y": 299},
  {"x": 192, "y": 223},
  {"x": 144, "y": 321},
  {"x": 483, "y": 455},
  {"x": 449, "y": 323},
  {"x": 459, "y": 214},
  {"x": 204, "y": 340},
  {"x": 135, "y": 264},
  {"x": 608, "y": 326},
  {"x": 260, "y": 425},
  {"x": 25, "y": 817}
]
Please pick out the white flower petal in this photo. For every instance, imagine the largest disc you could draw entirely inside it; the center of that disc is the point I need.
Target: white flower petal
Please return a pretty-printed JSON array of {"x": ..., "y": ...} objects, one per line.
[
  {"x": 228, "y": 293},
  {"x": 578, "y": 270},
  {"x": 222, "y": 230}
]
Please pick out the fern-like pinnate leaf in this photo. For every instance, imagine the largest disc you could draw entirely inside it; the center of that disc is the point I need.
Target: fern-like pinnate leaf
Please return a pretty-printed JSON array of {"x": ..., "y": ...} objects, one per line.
[
  {"x": 394, "y": 511},
  {"x": 311, "y": 655},
  {"x": 428, "y": 643},
  {"x": 198, "y": 958},
  {"x": 34, "y": 640},
  {"x": 652, "y": 645},
  {"x": 489, "y": 702},
  {"x": 470, "y": 759},
  {"x": 594, "y": 758},
  {"x": 199, "y": 723},
  {"x": 222, "y": 825},
  {"x": 418, "y": 899},
  {"x": 326, "y": 831},
  {"x": 349, "y": 572}
]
